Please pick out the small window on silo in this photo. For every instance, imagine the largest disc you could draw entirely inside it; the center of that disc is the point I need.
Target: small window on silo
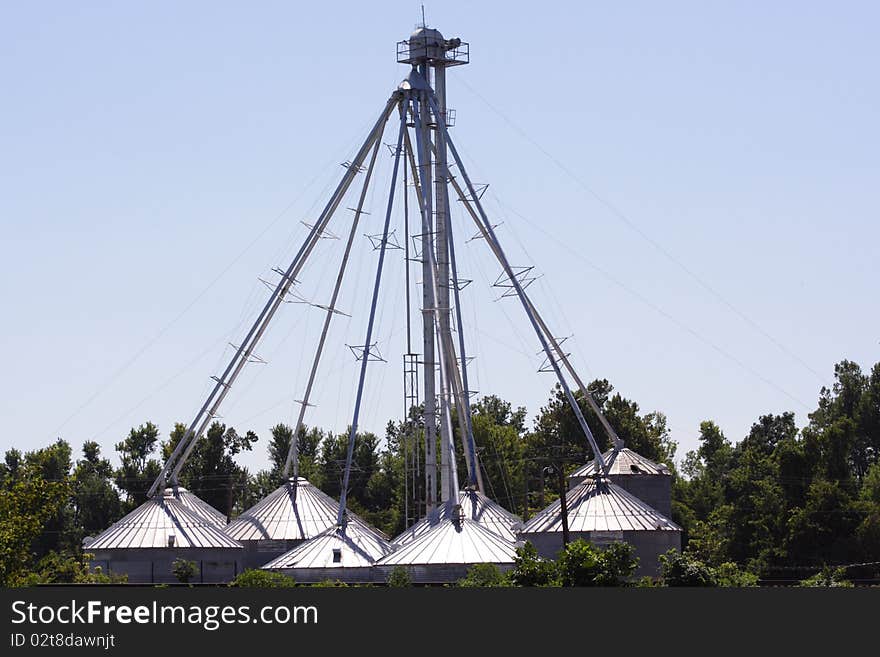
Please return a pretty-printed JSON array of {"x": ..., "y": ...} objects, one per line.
[{"x": 337, "y": 555}]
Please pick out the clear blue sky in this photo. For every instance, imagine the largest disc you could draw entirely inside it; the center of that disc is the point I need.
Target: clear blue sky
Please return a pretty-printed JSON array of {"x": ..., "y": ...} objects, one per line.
[{"x": 155, "y": 158}]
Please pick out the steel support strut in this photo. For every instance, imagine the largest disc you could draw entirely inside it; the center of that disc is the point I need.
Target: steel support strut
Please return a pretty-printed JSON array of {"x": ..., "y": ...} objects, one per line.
[
  {"x": 293, "y": 451},
  {"x": 553, "y": 341},
  {"x": 470, "y": 455},
  {"x": 446, "y": 352},
  {"x": 527, "y": 306},
  {"x": 178, "y": 457},
  {"x": 341, "y": 518}
]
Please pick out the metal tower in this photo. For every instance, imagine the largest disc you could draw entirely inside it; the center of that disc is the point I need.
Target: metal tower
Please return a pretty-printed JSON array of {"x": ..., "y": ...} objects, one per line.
[
  {"x": 424, "y": 147},
  {"x": 430, "y": 54}
]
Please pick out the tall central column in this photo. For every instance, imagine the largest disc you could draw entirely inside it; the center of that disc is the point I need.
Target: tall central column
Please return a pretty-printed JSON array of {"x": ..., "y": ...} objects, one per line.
[
  {"x": 428, "y": 336},
  {"x": 443, "y": 278},
  {"x": 429, "y": 53}
]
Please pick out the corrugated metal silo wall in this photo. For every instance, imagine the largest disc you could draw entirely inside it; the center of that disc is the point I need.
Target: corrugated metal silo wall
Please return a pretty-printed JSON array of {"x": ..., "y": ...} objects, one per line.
[
  {"x": 433, "y": 573},
  {"x": 365, "y": 575},
  {"x": 648, "y": 545},
  {"x": 154, "y": 565},
  {"x": 258, "y": 553},
  {"x": 654, "y": 490}
]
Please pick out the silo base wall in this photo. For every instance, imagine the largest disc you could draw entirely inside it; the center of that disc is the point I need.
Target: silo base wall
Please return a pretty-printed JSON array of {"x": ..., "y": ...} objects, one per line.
[
  {"x": 648, "y": 545},
  {"x": 345, "y": 575},
  {"x": 155, "y": 565},
  {"x": 446, "y": 573},
  {"x": 258, "y": 553}
]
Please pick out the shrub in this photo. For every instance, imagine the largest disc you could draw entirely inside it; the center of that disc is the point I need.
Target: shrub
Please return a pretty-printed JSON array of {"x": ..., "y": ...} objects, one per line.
[
  {"x": 531, "y": 570},
  {"x": 183, "y": 570},
  {"x": 57, "y": 568},
  {"x": 683, "y": 569},
  {"x": 583, "y": 564},
  {"x": 829, "y": 577},
  {"x": 399, "y": 578},
  {"x": 483, "y": 575},
  {"x": 729, "y": 574},
  {"x": 255, "y": 578}
]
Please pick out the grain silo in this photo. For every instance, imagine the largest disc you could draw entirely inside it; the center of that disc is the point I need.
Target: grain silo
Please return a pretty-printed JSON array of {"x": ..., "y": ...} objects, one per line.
[
  {"x": 649, "y": 481},
  {"x": 198, "y": 506},
  {"x": 145, "y": 543},
  {"x": 293, "y": 513},
  {"x": 602, "y": 513},
  {"x": 445, "y": 552},
  {"x": 347, "y": 556},
  {"x": 474, "y": 506}
]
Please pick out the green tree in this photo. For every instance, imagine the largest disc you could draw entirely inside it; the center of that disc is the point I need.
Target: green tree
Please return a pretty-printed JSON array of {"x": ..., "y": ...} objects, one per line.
[
  {"x": 184, "y": 570},
  {"x": 26, "y": 505},
  {"x": 483, "y": 575},
  {"x": 870, "y": 491},
  {"x": 53, "y": 464},
  {"x": 95, "y": 500},
  {"x": 254, "y": 578},
  {"x": 9, "y": 469},
  {"x": 138, "y": 469},
  {"x": 682, "y": 569},
  {"x": 56, "y": 568},
  {"x": 529, "y": 569},
  {"x": 211, "y": 471},
  {"x": 498, "y": 438},
  {"x": 582, "y": 564},
  {"x": 828, "y": 577},
  {"x": 757, "y": 505},
  {"x": 365, "y": 462},
  {"x": 730, "y": 575},
  {"x": 824, "y": 529},
  {"x": 399, "y": 578}
]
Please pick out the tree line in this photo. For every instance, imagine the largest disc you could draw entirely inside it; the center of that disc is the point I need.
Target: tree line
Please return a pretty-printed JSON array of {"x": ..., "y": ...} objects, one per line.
[{"x": 780, "y": 505}]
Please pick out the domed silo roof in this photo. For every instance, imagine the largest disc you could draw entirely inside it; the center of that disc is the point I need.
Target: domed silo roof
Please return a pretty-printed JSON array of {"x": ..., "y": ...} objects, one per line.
[
  {"x": 475, "y": 506},
  {"x": 602, "y": 513},
  {"x": 164, "y": 521},
  {"x": 649, "y": 481},
  {"x": 598, "y": 505},
  {"x": 332, "y": 554},
  {"x": 447, "y": 550},
  {"x": 198, "y": 506},
  {"x": 296, "y": 510}
]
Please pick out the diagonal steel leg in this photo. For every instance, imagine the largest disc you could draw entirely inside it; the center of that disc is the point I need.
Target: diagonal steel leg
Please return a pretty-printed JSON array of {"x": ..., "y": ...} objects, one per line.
[
  {"x": 293, "y": 452},
  {"x": 527, "y": 306},
  {"x": 341, "y": 519},
  {"x": 174, "y": 463}
]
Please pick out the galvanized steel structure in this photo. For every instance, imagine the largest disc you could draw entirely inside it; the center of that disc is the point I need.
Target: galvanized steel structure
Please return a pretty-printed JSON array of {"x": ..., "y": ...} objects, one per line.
[
  {"x": 293, "y": 513},
  {"x": 145, "y": 543},
  {"x": 602, "y": 512},
  {"x": 297, "y": 527},
  {"x": 446, "y": 551},
  {"x": 335, "y": 554},
  {"x": 649, "y": 481},
  {"x": 473, "y": 505}
]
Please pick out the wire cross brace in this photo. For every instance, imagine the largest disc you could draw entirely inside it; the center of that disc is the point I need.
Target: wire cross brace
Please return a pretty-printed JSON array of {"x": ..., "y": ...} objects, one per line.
[
  {"x": 370, "y": 351},
  {"x": 390, "y": 241},
  {"x": 523, "y": 277},
  {"x": 252, "y": 357},
  {"x": 546, "y": 365},
  {"x": 480, "y": 236},
  {"x": 322, "y": 235}
]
